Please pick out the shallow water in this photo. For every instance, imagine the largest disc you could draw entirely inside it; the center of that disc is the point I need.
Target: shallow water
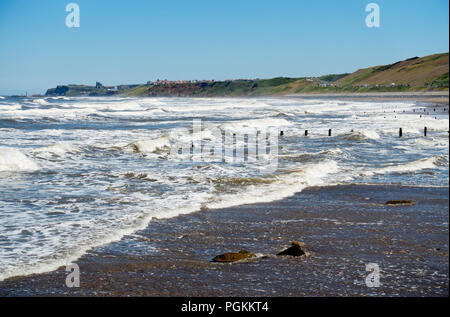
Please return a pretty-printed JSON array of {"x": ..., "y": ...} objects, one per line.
[{"x": 80, "y": 172}]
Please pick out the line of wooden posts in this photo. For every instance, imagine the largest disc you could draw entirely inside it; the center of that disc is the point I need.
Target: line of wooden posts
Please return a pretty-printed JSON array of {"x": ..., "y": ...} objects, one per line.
[{"x": 400, "y": 132}]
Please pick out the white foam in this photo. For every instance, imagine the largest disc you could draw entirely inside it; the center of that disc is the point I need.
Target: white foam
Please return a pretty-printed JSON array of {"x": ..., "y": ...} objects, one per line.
[
  {"x": 404, "y": 168},
  {"x": 9, "y": 108},
  {"x": 59, "y": 98},
  {"x": 284, "y": 186},
  {"x": 370, "y": 134},
  {"x": 432, "y": 142},
  {"x": 41, "y": 102},
  {"x": 12, "y": 160},
  {"x": 150, "y": 146},
  {"x": 361, "y": 135},
  {"x": 256, "y": 124},
  {"x": 58, "y": 148}
]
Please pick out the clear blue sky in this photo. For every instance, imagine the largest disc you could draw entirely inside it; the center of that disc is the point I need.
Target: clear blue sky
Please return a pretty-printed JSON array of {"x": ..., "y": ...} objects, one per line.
[{"x": 135, "y": 41}]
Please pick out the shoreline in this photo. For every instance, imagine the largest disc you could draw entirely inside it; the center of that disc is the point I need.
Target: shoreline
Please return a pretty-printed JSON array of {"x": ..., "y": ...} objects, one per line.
[
  {"x": 429, "y": 98},
  {"x": 344, "y": 228},
  {"x": 417, "y": 96}
]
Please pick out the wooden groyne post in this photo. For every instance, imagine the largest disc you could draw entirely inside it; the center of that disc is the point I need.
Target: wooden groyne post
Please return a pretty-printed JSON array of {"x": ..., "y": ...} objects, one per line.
[{"x": 400, "y": 132}]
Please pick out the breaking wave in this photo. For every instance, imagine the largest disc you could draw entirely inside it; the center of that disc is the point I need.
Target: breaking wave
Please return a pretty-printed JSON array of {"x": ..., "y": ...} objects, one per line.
[
  {"x": 256, "y": 123},
  {"x": 58, "y": 148},
  {"x": 150, "y": 146},
  {"x": 282, "y": 186},
  {"x": 358, "y": 135},
  {"x": 427, "y": 163},
  {"x": 12, "y": 160}
]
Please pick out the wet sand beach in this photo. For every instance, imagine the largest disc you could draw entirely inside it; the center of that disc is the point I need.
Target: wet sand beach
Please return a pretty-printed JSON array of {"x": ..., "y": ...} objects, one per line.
[{"x": 344, "y": 227}]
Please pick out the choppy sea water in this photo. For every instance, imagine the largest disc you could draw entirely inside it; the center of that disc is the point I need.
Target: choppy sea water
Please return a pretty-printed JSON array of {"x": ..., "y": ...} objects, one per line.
[{"x": 80, "y": 172}]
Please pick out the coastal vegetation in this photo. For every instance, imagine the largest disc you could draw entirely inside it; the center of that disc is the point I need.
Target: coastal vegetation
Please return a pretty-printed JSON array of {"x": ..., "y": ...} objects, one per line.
[{"x": 413, "y": 74}]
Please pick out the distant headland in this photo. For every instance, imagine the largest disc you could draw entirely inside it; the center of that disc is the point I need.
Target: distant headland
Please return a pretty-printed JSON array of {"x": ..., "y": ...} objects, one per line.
[{"x": 429, "y": 73}]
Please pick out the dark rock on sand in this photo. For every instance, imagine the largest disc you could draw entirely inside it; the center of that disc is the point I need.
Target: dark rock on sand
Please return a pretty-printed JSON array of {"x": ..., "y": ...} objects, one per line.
[
  {"x": 234, "y": 256},
  {"x": 295, "y": 250},
  {"x": 400, "y": 202}
]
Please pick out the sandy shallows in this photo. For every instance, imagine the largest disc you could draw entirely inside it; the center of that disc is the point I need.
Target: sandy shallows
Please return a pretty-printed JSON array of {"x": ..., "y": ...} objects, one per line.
[{"x": 344, "y": 227}]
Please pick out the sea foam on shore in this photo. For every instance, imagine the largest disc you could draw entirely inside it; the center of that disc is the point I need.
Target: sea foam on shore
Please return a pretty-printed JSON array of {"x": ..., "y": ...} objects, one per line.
[{"x": 76, "y": 173}]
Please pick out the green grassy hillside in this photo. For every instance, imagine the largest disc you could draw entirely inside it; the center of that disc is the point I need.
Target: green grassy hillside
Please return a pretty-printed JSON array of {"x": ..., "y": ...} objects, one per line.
[{"x": 422, "y": 73}]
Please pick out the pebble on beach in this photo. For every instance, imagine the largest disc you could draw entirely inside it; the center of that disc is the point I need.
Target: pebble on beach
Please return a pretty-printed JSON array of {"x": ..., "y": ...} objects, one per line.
[
  {"x": 295, "y": 250},
  {"x": 400, "y": 202},
  {"x": 233, "y": 256}
]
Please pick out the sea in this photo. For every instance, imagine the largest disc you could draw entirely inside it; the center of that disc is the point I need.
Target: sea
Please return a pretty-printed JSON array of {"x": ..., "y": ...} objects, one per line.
[{"x": 80, "y": 172}]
